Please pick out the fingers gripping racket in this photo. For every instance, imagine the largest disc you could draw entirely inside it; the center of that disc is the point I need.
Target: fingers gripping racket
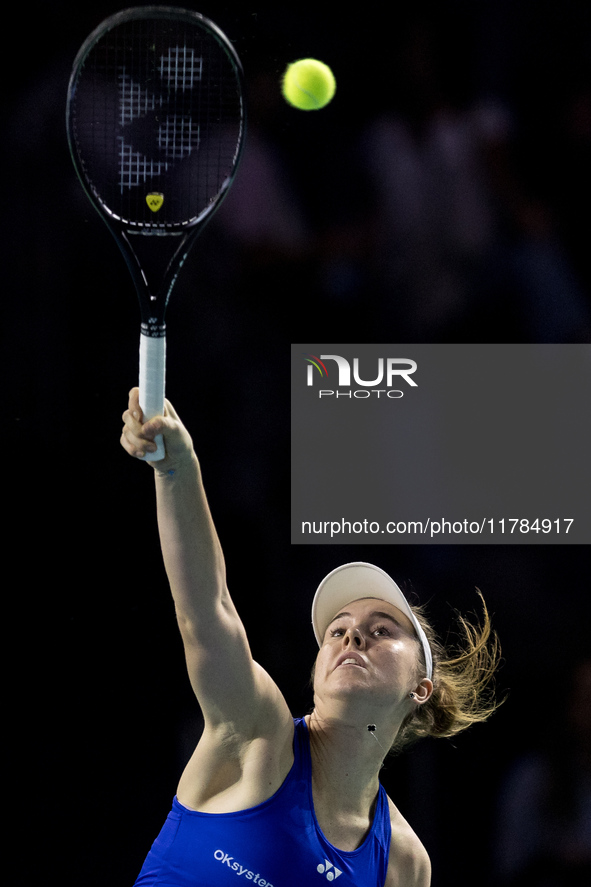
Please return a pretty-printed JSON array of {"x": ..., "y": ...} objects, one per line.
[{"x": 156, "y": 121}]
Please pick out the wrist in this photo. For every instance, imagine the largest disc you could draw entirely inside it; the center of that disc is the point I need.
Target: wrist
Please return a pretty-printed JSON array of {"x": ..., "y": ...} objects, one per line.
[{"x": 173, "y": 468}]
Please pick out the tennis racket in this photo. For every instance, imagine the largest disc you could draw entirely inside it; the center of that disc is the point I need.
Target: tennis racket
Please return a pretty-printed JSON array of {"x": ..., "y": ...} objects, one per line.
[{"x": 156, "y": 121}]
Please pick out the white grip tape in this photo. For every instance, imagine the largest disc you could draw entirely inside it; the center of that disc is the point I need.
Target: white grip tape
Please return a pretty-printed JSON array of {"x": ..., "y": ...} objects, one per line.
[{"x": 152, "y": 385}]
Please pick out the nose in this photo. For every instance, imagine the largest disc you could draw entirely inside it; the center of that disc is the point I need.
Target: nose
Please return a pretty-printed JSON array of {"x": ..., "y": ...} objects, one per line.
[{"x": 353, "y": 637}]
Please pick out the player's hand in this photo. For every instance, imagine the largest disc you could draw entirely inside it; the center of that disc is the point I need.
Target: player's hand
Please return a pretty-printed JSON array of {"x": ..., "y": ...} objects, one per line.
[{"x": 137, "y": 437}]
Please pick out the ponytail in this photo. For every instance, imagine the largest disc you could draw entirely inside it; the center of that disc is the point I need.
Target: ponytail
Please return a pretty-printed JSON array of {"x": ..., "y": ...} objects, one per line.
[{"x": 463, "y": 683}]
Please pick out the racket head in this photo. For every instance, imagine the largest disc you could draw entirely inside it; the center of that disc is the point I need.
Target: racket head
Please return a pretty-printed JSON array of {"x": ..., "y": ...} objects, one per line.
[{"x": 156, "y": 119}]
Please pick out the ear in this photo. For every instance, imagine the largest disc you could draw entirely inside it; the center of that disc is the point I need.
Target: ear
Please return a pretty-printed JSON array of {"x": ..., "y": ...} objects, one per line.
[{"x": 423, "y": 690}]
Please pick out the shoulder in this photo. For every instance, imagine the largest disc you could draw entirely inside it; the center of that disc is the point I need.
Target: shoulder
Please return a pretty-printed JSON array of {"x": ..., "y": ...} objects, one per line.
[{"x": 408, "y": 862}]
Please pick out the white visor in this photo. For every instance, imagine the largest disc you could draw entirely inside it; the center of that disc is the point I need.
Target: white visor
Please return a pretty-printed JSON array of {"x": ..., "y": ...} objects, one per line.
[{"x": 352, "y": 582}]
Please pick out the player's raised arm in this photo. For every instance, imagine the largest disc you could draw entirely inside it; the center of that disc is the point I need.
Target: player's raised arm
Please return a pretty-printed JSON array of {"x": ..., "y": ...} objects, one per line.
[{"x": 233, "y": 691}]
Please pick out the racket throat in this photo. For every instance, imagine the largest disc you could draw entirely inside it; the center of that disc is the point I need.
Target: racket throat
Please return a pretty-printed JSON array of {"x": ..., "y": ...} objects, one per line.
[{"x": 154, "y": 262}]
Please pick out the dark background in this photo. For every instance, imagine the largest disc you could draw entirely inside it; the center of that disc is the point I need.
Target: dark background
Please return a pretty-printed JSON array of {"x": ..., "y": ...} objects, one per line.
[{"x": 101, "y": 714}]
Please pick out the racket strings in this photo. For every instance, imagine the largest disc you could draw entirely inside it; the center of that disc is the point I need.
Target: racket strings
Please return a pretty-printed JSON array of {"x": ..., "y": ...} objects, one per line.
[
  {"x": 135, "y": 168},
  {"x": 158, "y": 109},
  {"x": 181, "y": 68}
]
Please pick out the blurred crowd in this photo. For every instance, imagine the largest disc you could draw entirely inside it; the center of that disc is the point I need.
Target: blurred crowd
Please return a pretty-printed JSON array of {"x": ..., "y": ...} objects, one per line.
[
  {"x": 544, "y": 810},
  {"x": 435, "y": 201}
]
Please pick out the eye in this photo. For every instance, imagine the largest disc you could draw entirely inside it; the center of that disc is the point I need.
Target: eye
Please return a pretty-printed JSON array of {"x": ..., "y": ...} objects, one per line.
[
  {"x": 381, "y": 631},
  {"x": 336, "y": 632}
]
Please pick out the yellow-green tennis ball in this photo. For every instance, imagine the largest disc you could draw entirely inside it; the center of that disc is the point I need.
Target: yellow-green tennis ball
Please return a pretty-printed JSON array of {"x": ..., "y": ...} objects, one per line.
[{"x": 308, "y": 84}]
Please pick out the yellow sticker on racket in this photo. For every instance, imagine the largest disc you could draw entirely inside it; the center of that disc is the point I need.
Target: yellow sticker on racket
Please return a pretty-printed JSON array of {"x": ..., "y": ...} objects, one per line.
[{"x": 154, "y": 201}]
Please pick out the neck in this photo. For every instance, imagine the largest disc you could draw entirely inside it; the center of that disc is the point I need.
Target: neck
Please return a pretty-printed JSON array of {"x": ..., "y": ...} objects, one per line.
[{"x": 347, "y": 757}]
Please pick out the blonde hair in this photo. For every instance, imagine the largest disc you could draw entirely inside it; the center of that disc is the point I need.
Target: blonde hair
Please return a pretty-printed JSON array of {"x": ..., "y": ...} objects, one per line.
[{"x": 463, "y": 682}]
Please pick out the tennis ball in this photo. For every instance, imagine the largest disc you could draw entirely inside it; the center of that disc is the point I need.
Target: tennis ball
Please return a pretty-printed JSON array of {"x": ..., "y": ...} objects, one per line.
[{"x": 308, "y": 84}]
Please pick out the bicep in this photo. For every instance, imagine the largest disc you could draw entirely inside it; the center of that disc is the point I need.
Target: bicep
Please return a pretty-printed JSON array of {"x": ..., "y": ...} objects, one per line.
[{"x": 231, "y": 688}]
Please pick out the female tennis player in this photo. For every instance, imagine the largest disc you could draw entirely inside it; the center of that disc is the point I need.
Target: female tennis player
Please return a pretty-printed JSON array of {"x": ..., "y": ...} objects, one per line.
[{"x": 278, "y": 801}]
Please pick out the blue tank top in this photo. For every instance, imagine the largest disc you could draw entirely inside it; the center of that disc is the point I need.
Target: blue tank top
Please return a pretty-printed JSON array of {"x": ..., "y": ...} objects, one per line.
[{"x": 276, "y": 844}]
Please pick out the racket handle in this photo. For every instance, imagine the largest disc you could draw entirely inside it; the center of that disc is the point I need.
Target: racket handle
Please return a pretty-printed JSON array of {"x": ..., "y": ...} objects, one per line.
[{"x": 152, "y": 380}]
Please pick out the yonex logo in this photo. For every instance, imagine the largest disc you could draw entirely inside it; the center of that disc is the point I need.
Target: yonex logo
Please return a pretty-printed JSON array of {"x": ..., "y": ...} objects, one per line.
[
  {"x": 155, "y": 200},
  {"x": 328, "y": 869},
  {"x": 177, "y": 136}
]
